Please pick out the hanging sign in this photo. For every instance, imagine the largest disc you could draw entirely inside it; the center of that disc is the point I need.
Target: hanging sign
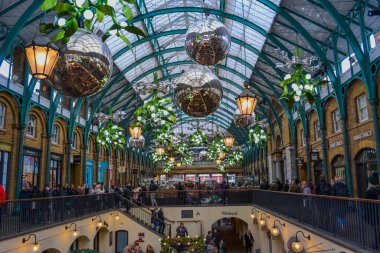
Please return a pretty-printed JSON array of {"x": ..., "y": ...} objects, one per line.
[{"x": 314, "y": 156}]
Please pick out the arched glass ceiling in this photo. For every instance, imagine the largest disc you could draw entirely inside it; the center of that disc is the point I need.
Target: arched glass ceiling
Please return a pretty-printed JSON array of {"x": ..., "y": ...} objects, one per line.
[{"x": 251, "y": 56}]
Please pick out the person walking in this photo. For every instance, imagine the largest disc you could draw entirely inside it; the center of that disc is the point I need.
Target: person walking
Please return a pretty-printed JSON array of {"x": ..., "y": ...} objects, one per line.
[
  {"x": 305, "y": 188},
  {"x": 161, "y": 220},
  {"x": 152, "y": 189},
  {"x": 339, "y": 188},
  {"x": 248, "y": 241},
  {"x": 286, "y": 186},
  {"x": 3, "y": 198},
  {"x": 323, "y": 187},
  {"x": 181, "y": 230}
]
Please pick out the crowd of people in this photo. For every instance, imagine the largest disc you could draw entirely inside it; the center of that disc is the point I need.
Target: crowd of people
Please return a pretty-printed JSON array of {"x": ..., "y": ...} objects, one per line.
[{"x": 135, "y": 247}]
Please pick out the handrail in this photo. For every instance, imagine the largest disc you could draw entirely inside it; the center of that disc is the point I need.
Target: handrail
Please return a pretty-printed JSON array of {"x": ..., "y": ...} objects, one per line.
[{"x": 142, "y": 204}]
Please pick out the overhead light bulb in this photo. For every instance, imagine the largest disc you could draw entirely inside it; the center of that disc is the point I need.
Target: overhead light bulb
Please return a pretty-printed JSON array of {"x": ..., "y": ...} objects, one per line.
[
  {"x": 275, "y": 231},
  {"x": 99, "y": 224}
]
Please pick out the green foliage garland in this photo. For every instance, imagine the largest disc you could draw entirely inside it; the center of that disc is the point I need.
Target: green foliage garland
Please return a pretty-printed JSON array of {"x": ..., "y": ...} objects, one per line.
[
  {"x": 69, "y": 12},
  {"x": 216, "y": 147},
  {"x": 257, "y": 136},
  {"x": 198, "y": 138},
  {"x": 111, "y": 135},
  {"x": 196, "y": 244},
  {"x": 299, "y": 87}
]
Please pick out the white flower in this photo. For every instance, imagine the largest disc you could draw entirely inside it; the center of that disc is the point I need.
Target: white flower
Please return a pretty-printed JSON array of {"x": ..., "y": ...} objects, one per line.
[
  {"x": 151, "y": 108},
  {"x": 162, "y": 122},
  {"x": 114, "y": 127},
  {"x": 107, "y": 139},
  {"x": 308, "y": 76},
  {"x": 297, "y": 98},
  {"x": 80, "y": 3},
  {"x": 261, "y": 131},
  {"x": 154, "y": 115},
  {"x": 308, "y": 87},
  {"x": 298, "y": 92},
  {"x": 106, "y": 133},
  {"x": 113, "y": 31},
  {"x": 170, "y": 108},
  {"x": 103, "y": 143},
  {"x": 88, "y": 14},
  {"x": 120, "y": 133},
  {"x": 295, "y": 87},
  {"x": 301, "y": 87},
  {"x": 123, "y": 24},
  {"x": 139, "y": 118},
  {"x": 111, "y": 3},
  {"x": 165, "y": 113},
  {"x": 61, "y": 22},
  {"x": 288, "y": 76}
]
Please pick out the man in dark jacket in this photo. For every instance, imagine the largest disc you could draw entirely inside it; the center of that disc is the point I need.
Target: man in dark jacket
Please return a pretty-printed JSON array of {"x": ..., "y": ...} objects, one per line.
[
  {"x": 373, "y": 190},
  {"x": 339, "y": 188},
  {"x": 161, "y": 218},
  {"x": 323, "y": 187}
]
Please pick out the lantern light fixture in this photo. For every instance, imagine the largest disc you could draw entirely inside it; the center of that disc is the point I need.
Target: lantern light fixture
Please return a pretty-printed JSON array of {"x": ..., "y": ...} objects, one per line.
[
  {"x": 275, "y": 231},
  {"x": 297, "y": 246},
  {"x": 178, "y": 164},
  {"x": 135, "y": 131},
  {"x": 75, "y": 231},
  {"x": 229, "y": 140},
  {"x": 36, "y": 245},
  {"x": 172, "y": 159},
  {"x": 42, "y": 56},
  {"x": 253, "y": 213},
  {"x": 116, "y": 214},
  {"x": 99, "y": 221},
  {"x": 160, "y": 150},
  {"x": 262, "y": 220},
  {"x": 246, "y": 101},
  {"x": 218, "y": 161}
]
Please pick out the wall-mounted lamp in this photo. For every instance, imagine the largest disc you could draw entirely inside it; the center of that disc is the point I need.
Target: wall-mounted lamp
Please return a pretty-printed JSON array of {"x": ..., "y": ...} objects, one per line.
[
  {"x": 116, "y": 215},
  {"x": 99, "y": 221},
  {"x": 275, "y": 231},
  {"x": 75, "y": 231},
  {"x": 297, "y": 246},
  {"x": 262, "y": 220},
  {"x": 36, "y": 246},
  {"x": 253, "y": 213}
]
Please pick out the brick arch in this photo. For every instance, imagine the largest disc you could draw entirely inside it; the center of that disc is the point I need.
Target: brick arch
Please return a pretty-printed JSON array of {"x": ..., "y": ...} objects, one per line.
[
  {"x": 41, "y": 117},
  {"x": 331, "y": 105},
  {"x": 79, "y": 140},
  {"x": 355, "y": 89},
  {"x": 11, "y": 105}
]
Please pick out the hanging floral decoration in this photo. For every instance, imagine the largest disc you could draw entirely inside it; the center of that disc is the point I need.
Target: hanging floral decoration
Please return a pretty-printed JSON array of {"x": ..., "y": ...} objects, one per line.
[
  {"x": 92, "y": 13},
  {"x": 111, "y": 135},
  {"x": 215, "y": 148},
  {"x": 198, "y": 138},
  {"x": 232, "y": 159},
  {"x": 257, "y": 136},
  {"x": 189, "y": 244},
  {"x": 187, "y": 160},
  {"x": 299, "y": 86},
  {"x": 156, "y": 112}
]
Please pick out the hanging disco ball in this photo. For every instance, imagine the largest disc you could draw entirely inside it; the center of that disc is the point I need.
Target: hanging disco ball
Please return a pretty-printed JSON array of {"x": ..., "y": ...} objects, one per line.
[
  {"x": 84, "y": 67},
  {"x": 244, "y": 121},
  {"x": 198, "y": 92},
  {"x": 207, "y": 42},
  {"x": 137, "y": 143}
]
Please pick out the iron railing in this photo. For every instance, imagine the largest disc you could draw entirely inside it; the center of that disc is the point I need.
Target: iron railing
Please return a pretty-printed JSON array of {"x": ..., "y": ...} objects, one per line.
[{"x": 143, "y": 214}]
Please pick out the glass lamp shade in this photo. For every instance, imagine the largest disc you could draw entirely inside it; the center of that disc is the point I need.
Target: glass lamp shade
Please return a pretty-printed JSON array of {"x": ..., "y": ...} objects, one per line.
[
  {"x": 42, "y": 57},
  {"x": 262, "y": 222},
  {"x": 75, "y": 233},
  {"x": 246, "y": 101},
  {"x": 297, "y": 246},
  {"x": 36, "y": 247},
  {"x": 253, "y": 216},
  {"x": 229, "y": 141},
  {"x": 222, "y": 155},
  {"x": 218, "y": 161},
  {"x": 275, "y": 231},
  {"x": 135, "y": 131},
  {"x": 160, "y": 150}
]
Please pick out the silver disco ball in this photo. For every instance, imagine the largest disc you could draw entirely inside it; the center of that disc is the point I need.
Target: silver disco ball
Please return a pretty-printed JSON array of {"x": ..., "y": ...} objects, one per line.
[
  {"x": 198, "y": 92},
  {"x": 137, "y": 143},
  {"x": 84, "y": 67},
  {"x": 207, "y": 42},
  {"x": 244, "y": 121}
]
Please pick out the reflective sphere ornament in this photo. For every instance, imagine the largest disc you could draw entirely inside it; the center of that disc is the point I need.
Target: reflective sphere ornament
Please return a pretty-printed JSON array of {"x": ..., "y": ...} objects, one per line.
[
  {"x": 137, "y": 143},
  {"x": 198, "y": 92},
  {"x": 84, "y": 67},
  {"x": 207, "y": 42}
]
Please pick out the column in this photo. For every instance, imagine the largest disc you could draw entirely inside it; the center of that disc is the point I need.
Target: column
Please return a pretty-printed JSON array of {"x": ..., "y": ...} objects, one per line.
[{"x": 290, "y": 163}]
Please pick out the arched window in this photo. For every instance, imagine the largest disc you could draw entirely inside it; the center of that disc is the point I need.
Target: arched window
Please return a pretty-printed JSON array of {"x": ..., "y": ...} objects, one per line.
[
  {"x": 55, "y": 134},
  {"x": 365, "y": 164},
  {"x": 2, "y": 116},
  {"x": 31, "y": 126},
  {"x": 74, "y": 143}
]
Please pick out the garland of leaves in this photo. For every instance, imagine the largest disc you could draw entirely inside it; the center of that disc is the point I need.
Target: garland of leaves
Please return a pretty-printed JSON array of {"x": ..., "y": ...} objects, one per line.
[
  {"x": 257, "y": 136},
  {"x": 215, "y": 148},
  {"x": 69, "y": 12},
  {"x": 111, "y": 135},
  {"x": 198, "y": 138},
  {"x": 299, "y": 86},
  {"x": 190, "y": 244},
  {"x": 231, "y": 160}
]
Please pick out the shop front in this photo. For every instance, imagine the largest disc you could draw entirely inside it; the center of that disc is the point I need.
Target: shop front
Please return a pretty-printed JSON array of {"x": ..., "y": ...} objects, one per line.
[
  {"x": 88, "y": 172},
  {"x": 5, "y": 160},
  {"x": 338, "y": 166},
  {"x": 102, "y": 172},
  {"x": 55, "y": 175},
  {"x": 31, "y": 167},
  {"x": 365, "y": 164}
]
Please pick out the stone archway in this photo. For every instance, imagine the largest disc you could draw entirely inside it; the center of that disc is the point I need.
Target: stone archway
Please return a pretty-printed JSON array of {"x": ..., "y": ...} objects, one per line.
[{"x": 51, "y": 250}]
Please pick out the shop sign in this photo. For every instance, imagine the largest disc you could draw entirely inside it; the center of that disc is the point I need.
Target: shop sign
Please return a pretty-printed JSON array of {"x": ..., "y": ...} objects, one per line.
[
  {"x": 56, "y": 157},
  {"x": 316, "y": 150},
  {"x": 336, "y": 144},
  {"x": 362, "y": 135},
  {"x": 76, "y": 159},
  {"x": 299, "y": 161},
  {"x": 32, "y": 152},
  {"x": 230, "y": 213},
  {"x": 314, "y": 156}
]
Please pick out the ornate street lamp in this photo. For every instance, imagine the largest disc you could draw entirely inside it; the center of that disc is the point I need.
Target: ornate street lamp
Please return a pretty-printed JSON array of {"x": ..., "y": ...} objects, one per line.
[
  {"x": 135, "y": 132},
  {"x": 246, "y": 101},
  {"x": 42, "y": 57}
]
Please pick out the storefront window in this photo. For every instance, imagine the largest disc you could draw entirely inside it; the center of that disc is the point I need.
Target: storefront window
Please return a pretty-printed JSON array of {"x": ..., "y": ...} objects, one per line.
[
  {"x": 55, "y": 172},
  {"x": 30, "y": 170},
  {"x": 55, "y": 134},
  {"x": 2, "y": 116},
  {"x": 365, "y": 165},
  {"x": 4, "y": 168},
  {"x": 339, "y": 167}
]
